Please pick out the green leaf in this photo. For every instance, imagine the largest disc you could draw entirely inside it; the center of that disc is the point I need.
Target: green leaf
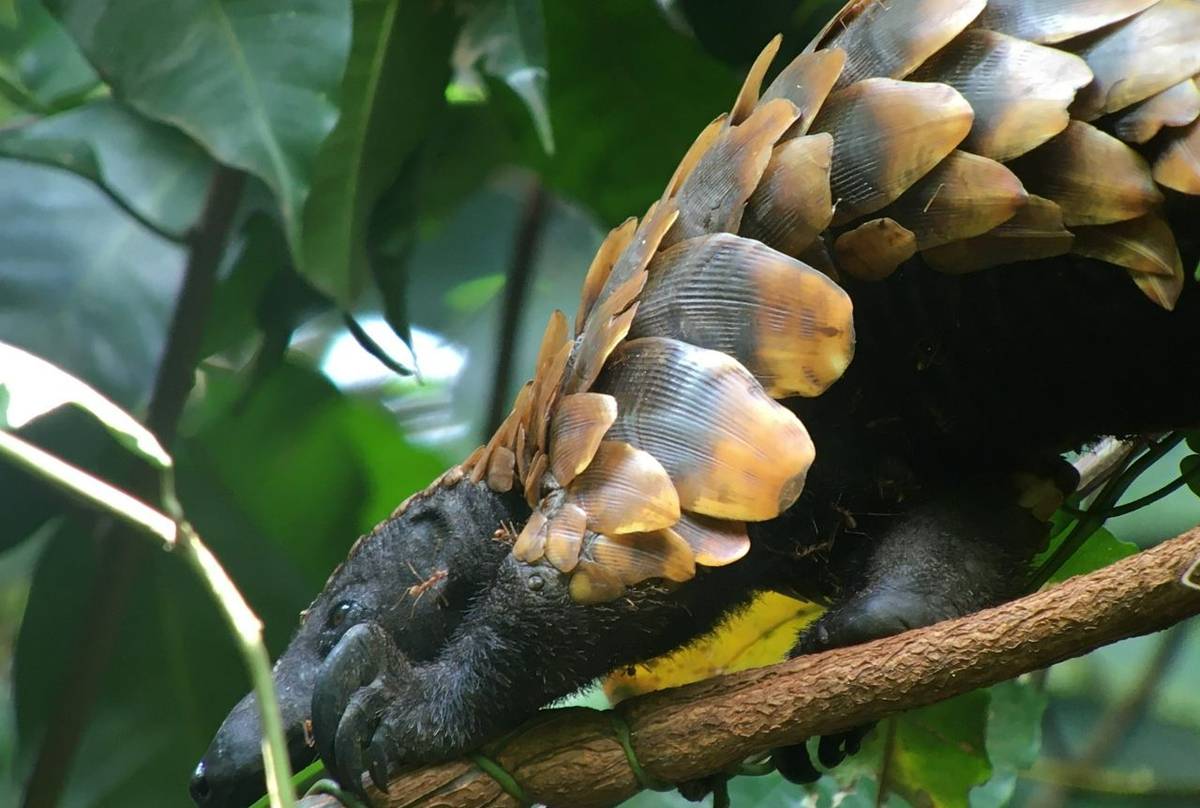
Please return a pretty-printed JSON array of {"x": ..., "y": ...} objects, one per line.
[
  {"x": 939, "y": 752},
  {"x": 151, "y": 170},
  {"x": 81, "y": 284},
  {"x": 1100, "y": 550},
  {"x": 628, "y": 96},
  {"x": 1014, "y": 738},
  {"x": 508, "y": 37},
  {"x": 33, "y": 387},
  {"x": 238, "y": 302},
  {"x": 253, "y": 81},
  {"x": 1188, "y": 466},
  {"x": 41, "y": 69},
  {"x": 397, "y": 70}
]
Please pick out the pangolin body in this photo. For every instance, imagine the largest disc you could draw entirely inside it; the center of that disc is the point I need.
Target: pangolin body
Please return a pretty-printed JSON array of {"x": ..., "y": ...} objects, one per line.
[{"x": 970, "y": 134}]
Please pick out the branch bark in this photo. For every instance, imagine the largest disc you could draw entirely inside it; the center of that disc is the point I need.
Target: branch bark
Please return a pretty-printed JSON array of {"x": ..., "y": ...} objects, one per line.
[{"x": 571, "y": 756}]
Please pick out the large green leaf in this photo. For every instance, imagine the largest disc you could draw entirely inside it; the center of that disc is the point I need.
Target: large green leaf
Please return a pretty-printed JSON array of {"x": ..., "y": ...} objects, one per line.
[
  {"x": 151, "y": 170},
  {"x": 939, "y": 752},
  {"x": 627, "y": 96},
  {"x": 81, "y": 284},
  {"x": 252, "y": 80},
  {"x": 41, "y": 69},
  {"x": 395, "y": 77},
  {"x": 87, "y": 288}
]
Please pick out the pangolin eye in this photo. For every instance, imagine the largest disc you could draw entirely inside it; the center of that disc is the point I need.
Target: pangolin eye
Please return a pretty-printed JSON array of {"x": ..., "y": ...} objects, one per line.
[{"x": 339, "y": 613}]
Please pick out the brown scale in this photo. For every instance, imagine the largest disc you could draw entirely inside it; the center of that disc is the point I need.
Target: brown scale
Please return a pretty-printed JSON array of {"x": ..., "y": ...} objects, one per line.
[{"x": 975, "y": 133}]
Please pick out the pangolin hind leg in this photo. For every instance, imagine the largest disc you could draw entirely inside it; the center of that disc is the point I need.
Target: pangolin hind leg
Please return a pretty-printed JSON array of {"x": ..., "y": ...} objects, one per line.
[{"x": 963, "y": 550}]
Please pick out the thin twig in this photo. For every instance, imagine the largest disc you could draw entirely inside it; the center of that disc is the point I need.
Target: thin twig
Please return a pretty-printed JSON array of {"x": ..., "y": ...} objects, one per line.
[
  {"x": 1094, "y": 517},
  {"x": 516, "y": 289},
  {"x": 374, "y": 348}
]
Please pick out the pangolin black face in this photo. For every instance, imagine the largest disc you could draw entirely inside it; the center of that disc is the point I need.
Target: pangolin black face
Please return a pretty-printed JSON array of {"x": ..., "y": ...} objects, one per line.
[{"x": 398, "y": 577}]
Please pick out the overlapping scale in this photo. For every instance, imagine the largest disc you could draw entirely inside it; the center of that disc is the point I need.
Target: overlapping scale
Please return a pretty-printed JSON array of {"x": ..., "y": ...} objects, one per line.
[
  {"x": 593, "y": 583},
  {"x": 564, "y": 536},
  {"x": 806, "y": 82},
  {"x": 1178, "y": 105},
  {"x": 601, "y": 267},
  {"x": 646, "y": 443},
  {"x": 625, "y": 490},
  {"x": 892, "y": 39},
  {"x": 1145, "y": 247},
  {"x": 1139, "y": 57},
  {"x": 785, "y": 322},
  {"x": 635, "y": 557},
  {"x": 713, "y": 195},
  {"x": 615, "y": 305},
  {"x": 1019, "y": 91},
  {"x": 731, "y": 451},
  {"x": 1035, "y": 231},
  {"x": 887, "y": 134},
  {"x": 1178, "y": 164},
  {"x": 873, "y": 250},
  {"x": 792, "y": 203},
  {"x": 1163, "y": 291},
  {"x": 714, "y": 542},
  {"x": 966, "y": 195},
  {"x": 1049, "y": 21},
  {"x": 748, "y": 96},
  {"x": 576, "y": 429},
  {"x": 1094, "y": 178}
]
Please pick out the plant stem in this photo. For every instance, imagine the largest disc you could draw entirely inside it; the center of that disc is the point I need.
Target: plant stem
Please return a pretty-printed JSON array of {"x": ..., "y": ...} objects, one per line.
[
  {"x": 516, "y": 288},
  {"x": 121, "y": 556},
  {"x": 178, "y": 535},
  {"x": 1094, "y": 517}
]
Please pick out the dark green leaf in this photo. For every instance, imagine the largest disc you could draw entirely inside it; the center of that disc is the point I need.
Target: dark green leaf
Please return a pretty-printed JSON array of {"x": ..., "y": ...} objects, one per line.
[
  {"x": 256, "y": 87},
  {"x": 151, "y": 170},
  {"x": 81, "y": 284},
  {"x": 628, "y": 96},
  {"x": 395, "y": 78},
  {"x": 1188, "y": 466},
  {"x": 508, "y": 39},
  {"x": 261, "y": 254}
]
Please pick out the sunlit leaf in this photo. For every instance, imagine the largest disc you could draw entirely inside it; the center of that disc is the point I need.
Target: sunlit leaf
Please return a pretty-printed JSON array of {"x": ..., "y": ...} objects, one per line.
[
  {"x": 256, "y": 88},
  {"x": 34, "y": 387},
  {"x": 150, "y": 169}
]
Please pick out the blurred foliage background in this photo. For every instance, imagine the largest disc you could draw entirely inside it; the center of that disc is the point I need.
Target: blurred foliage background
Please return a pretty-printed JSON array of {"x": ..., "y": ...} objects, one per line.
[{"x": 440, "y": 172}]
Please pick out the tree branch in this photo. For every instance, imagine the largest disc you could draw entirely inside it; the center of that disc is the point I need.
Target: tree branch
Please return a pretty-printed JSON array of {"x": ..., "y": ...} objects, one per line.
[{"x": 571, "y": 757}]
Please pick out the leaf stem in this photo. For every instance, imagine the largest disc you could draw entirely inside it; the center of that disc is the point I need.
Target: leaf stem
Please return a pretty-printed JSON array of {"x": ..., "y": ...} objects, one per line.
[
  {"x": 1094, "y": 517},
  {"x": 178, "y": 535}
]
